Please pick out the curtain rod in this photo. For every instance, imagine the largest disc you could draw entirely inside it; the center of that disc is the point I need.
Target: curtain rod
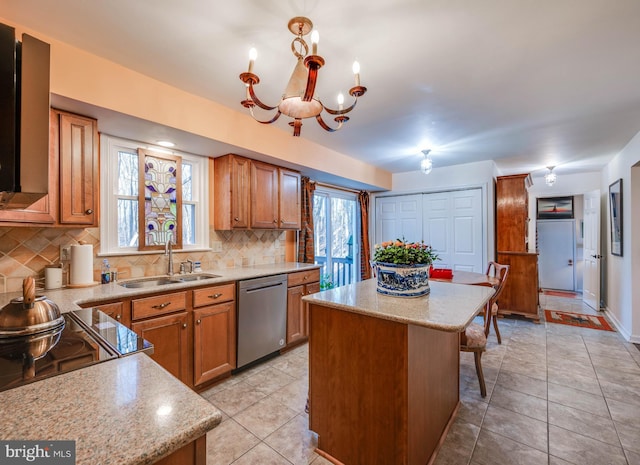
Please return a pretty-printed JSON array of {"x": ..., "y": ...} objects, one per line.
[{"x": 330, "y": 186}]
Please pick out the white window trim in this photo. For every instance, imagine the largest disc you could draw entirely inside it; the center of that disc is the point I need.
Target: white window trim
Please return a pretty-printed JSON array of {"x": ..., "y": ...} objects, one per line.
[{"x": 109, "y": 147}]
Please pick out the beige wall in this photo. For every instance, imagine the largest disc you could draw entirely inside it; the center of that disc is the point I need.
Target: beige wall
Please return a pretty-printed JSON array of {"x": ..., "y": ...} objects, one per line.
[
  {"x": 88, "y": 78},
  {"x": 25, "y": 251}
]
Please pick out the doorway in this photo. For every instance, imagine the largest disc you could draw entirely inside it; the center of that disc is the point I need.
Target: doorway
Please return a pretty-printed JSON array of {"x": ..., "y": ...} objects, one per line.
[
  {"x": 556, "y": 259},
  {"x": 336, "y": 224}
]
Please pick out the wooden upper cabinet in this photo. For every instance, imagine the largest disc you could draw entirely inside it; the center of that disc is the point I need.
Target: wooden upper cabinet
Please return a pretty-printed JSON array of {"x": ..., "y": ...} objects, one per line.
[
  {"x": 231, "y": 188},
  {"x": 512, "y": 212},
  {"x": 264, "y": 196},
  {"x": 79, "y": 183},
  {"x": 250, "y": 194},
  {"x": 289, "y": 199}
]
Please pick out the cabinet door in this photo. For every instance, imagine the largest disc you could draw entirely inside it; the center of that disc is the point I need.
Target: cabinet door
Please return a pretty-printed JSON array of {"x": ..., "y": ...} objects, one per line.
[
  {"x": 264, "y": 196},
  {"x": 289, "y": 209},
  {"x": 295, "y": 316},
  {"x": 240, "y": 189},
  {"x": 310, "y": 288},
  {"x": 169, "y": 337},
  {"x": 78, "y": 170},
  {"x": 214, "y": 341}
]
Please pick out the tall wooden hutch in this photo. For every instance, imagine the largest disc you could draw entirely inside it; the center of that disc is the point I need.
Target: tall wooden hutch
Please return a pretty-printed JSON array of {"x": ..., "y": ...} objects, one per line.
[{"x": 520, "y": 294}]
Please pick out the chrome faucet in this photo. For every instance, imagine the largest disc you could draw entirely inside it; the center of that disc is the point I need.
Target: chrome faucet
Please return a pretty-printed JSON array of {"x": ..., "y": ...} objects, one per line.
[{"x": 169, "y": 251}]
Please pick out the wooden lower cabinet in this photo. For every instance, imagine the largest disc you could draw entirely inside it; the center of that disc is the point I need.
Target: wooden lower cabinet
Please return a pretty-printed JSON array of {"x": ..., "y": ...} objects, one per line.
[
  {"x": 300, "y": 284},
  {"x": 194, "y": 453},
  {"x": 520, "y": 293},
  {"x": 170, "y": 340},
  {"x": 214, "y": 341}
]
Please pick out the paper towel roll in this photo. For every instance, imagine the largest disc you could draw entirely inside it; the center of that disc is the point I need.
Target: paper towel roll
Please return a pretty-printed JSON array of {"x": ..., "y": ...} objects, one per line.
[{"x": 81, "y": 265}]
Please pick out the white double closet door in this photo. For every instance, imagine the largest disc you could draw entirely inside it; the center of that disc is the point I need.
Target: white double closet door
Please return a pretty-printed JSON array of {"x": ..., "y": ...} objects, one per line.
[{"x": 451, "y": 222}]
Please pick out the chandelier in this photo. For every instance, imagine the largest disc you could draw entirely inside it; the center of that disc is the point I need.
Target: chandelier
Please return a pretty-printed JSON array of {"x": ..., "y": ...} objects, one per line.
[
  {"x": 298, "y": 101},
  {"x": 426, "y": 165},
  {"x": 550, "y": 177}
]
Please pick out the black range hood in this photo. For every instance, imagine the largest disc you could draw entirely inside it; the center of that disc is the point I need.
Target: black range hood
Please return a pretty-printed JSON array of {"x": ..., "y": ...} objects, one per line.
[{"x": 24, "y": 119}]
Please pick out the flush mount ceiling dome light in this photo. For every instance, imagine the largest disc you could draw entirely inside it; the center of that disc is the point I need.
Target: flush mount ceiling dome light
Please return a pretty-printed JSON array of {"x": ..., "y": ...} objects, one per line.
[
  {"x": 550, "y": 177},
  {"x": 426, "y": 165},
  {"x": 298, "y": 101}
]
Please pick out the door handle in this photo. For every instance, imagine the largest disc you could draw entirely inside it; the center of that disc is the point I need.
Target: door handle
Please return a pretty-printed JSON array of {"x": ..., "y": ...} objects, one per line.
[
  {"x": 570, "y": 262},
  {"x": 596, "y": 256}
]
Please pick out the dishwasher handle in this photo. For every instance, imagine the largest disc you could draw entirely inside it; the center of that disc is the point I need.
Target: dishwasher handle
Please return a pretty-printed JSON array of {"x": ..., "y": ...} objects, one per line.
[{"x": 260, "y": 288}]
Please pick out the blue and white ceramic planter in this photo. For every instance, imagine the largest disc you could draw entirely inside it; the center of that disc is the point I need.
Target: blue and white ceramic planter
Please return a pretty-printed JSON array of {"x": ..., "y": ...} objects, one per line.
[{"x": 402, "y": 280}]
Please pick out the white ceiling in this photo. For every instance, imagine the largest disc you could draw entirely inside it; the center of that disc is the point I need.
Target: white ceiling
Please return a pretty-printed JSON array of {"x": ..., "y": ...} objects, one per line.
[{"x": 527, "y": 83}]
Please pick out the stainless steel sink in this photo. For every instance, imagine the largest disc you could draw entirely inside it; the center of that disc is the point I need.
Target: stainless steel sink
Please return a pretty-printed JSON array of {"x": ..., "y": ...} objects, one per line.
[
  {"x": 148, "y": 282},
  {"x": 164, "y": 280},
  {"x": 196, "y": 277}
]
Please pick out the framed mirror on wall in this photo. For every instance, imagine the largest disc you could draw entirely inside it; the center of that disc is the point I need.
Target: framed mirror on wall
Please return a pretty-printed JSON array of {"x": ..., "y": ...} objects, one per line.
[{"x": 615, "y": 217}]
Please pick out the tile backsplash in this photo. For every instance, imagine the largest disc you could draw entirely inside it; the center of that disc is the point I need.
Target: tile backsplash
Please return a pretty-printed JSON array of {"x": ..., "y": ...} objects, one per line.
[{"x": 27, "y": 251}]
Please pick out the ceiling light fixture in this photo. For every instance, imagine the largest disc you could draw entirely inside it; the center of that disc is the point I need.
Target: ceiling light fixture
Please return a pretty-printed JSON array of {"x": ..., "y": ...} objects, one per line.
[
  {"x": 165, "y": 143},
  {"x": 550, "y": 177},
  {"x": 298, "y": 101},
  {"x": 426, "y": 165}
]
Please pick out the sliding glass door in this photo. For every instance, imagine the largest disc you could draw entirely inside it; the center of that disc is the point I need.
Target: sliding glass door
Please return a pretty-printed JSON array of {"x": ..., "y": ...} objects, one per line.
[{"x": 336, "y": 222}]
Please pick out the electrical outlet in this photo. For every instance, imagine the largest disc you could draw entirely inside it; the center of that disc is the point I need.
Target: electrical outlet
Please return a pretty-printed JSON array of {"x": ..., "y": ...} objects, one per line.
[{"x": 65, "y": 253}]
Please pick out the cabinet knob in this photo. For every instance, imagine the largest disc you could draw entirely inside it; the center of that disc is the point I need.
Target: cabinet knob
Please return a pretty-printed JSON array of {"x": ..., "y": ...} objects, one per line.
[
  {"x": 214, "y": 296},
  {"x": 161, "y": 306},
  {"x": 118, "y": 317},
  {"x": 89, "y": 211},
  {"x": 198, "y": 321},
  {"x": 184, "y": 325},
  {"x": 275, "y": 221},
  {"x": 236, "y": 219}
]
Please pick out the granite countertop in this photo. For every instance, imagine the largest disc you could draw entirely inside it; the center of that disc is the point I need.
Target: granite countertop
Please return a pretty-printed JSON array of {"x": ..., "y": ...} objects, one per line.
[
  {"x": 125, "y": 411},
  {"x": 448, "y": 307},
  {"x": 69, "y": 299}
]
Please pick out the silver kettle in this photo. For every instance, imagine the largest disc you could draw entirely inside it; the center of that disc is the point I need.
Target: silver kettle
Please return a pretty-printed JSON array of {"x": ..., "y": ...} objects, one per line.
[{"x": 29, "y": 314}]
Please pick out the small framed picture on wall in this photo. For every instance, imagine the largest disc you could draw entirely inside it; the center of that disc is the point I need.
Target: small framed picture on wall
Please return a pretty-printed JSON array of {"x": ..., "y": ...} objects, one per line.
[
  {"x": 615, "y": 210},
  {"x": 555, "y": 208}
]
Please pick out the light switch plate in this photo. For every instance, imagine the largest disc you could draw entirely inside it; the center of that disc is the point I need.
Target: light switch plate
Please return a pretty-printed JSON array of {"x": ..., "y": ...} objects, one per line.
[{"x": 65, "y": 253}]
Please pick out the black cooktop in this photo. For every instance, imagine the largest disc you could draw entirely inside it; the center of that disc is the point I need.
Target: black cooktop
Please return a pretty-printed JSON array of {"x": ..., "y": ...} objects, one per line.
[{"x": 88, "y": 336}]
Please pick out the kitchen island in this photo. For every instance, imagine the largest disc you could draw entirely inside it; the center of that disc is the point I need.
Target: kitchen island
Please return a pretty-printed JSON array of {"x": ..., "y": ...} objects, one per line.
[
  {"x": 127, "y": 411},
  {"x": 384, "y": 371}
]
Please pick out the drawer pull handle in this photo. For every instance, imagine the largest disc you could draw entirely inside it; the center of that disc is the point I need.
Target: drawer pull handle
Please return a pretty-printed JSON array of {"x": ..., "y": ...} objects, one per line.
[
  {"x": 161, "y": 306},
  {"x": 214, "y": 296},
  {"x": 198, "y": 321},
  {"x": 184, "y": 325}
]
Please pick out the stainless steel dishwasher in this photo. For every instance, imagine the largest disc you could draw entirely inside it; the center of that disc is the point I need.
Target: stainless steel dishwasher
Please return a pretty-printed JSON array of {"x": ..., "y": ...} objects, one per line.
[{"x": 262, "y": 317}]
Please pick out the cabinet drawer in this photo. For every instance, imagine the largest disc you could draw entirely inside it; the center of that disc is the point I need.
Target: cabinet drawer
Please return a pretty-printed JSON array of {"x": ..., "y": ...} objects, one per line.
[
  {"x": 214, "y": 295},
  {"x": 158, "y": 305},
  {"x": 303, "y": 277}
]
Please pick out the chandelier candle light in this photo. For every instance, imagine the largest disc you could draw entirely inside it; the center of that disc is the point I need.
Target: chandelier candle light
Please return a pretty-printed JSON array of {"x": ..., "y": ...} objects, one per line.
[
  {"x": 550, "y": 177},
  {"x": 298, "y": 101}
]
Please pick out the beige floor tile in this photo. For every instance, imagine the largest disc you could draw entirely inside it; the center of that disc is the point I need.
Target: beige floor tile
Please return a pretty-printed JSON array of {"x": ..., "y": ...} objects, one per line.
[
  {"x": 582, "y": 368},
  {"x": 515, "y": 426},
  {"x": 293, "y": 395},
  {"x": 294, "y": 441},
  {"x": 557, "y": 461},
  {"x": 471, "y": 409},
  {"x": 580, "y": 400},
  {"x": 264, "y": 417},
  {"x": 583, "y": 383},
  {"x": 493, "y": 449},
  {"x": 623, "y": 362},
  {"x": 582, "y": 450},
  {"x": 584, "y": 423},
  {"x": 623, "y": 393},
  {"x": 263, "y": 455},
  {"x": 618, "y": 376},
  {"x": 623, "y": 412},
  {"x": 321, "y": 461},
  {"x": 633, "y": 458},
  {"x": 522, "y": 383},
  {"x": 269, "y": 380},
  {"x": 519, "y": 402},
  {"x": 227, "y": 442},
  {"x": 236, "y": 398},
  {"x": 629, "y": 436},
  {"x": 536, "y": 369}
]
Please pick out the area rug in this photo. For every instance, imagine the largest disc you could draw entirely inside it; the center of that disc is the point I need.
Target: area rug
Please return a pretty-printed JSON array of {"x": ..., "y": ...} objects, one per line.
[
  {"x": 577, "y": 319},
  {"x": 569, "y": 294}
]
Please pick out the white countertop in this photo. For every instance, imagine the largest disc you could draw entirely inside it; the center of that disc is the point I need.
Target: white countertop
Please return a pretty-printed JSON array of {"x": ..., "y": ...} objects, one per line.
[
  {"x": 127, "y": 411},
  {"x": 448, "y": 307},
  {"x": 68, "y": 299}
]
